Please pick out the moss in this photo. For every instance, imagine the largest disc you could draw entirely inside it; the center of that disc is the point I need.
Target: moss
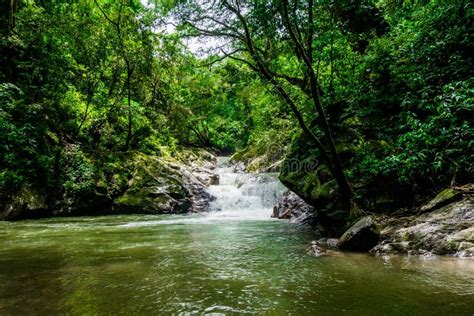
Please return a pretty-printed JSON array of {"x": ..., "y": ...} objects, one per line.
[
  {"x": 154, "y": 184},
  {"x": 406, "y": 237},
  {"x": 294, "y": 181},
  {"x": 447, "y": 194},
  {"x": 258, "y": 159},
  {"x": 443, "y": 198},
  {"x": 311, "y": 185},
  {"x": 140, "y": 198},
  {"x": 353, "y": 121},
  {"x": 257, "y": 164},
  {"x": 324, "y": 191},
  {"x": 194, "y": 156},
  {"x": 246, "y": 154}
]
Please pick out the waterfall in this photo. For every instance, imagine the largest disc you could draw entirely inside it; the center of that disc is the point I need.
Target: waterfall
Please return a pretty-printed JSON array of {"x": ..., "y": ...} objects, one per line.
[
  {"x": 239, "y": 196},
  {"x": 243, "y": 196}
]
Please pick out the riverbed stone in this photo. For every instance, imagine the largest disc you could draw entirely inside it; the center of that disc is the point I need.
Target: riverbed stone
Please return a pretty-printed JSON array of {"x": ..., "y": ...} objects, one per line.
[
  {"x": 465, "y": 249},
  {"x": 206, "y": 176},
  {"x": 362, "y": 236},
  {"x": 327, "y": 243}
]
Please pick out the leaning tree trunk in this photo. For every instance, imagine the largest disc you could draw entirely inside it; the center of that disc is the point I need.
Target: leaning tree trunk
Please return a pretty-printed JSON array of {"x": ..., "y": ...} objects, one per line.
[{"x": 338, "y": 172}]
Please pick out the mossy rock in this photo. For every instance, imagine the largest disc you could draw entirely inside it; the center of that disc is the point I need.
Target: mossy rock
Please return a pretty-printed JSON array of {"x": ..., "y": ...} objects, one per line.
[
  {"x": 443, "y": 198},
  {"x": 195, "y": 157},
  {"x": 303, "y": 181},
  {"x": 149, "y": 201},
  {"x": 158, "y": 185},
  {"x": 257, "y": 164},
  {"x": 311, "y": 183},
  {"x": 294, "y": 181},
  {"x": 322, "y": 194},
  {"x": 27, "y": 203},
  {"x": 303, "y": 174},
  {"x": 154, "y": 186},
  {"x": 256, "y": 160}
]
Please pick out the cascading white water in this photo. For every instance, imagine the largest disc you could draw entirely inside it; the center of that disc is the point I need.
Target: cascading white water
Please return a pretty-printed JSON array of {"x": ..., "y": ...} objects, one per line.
[
  {"x": 243, "y": 196},
  {"x": 239, "y": 196}
]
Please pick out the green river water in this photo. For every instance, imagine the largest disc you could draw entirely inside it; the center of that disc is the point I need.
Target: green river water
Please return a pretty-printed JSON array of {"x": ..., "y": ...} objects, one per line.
[
  {"x": 211, "y": 264},
  {"x": 135, "y": 264}
]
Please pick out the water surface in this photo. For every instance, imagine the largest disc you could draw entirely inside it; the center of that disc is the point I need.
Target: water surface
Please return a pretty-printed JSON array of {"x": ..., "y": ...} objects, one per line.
[{"x": 234, "y": 260}]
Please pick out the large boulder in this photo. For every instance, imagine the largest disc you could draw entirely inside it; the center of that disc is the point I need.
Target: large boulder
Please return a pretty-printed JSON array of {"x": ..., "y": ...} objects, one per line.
[
  {"x": 205, "y": 176},
  {"x": 158, "y": 185},
  {"x": 304, "y": 173},
  {"x": 447, "y": 230},
  {"x": 131, "y": 182},
  {"x": 362, "y": 236}
]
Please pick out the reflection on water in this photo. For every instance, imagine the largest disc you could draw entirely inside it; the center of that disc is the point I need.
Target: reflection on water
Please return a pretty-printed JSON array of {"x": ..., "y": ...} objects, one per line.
[{"x": 233, "y": 260}]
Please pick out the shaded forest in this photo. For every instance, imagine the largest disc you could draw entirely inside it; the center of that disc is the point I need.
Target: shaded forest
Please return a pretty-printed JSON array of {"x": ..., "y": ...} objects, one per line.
[{"x": 380, "y": 93}]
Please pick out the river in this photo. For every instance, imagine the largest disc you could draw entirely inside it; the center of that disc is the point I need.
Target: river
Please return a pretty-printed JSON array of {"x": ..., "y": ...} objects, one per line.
[{"x": 233, "y": 260}]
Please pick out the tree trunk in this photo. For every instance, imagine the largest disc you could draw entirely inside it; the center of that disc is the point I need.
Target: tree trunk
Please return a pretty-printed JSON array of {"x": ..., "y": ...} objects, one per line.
[
  {"x": 129, "y": 130},
  {"x": 344, "y": 187},
  {"x": 11, "y": 15}
]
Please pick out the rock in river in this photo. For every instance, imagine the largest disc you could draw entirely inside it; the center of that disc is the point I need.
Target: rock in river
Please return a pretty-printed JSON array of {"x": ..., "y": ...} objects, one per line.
[
  {"x": 362, "y": 236},
  {"x": 315, "y": 250},
  {"x": 291, "y": 206}
]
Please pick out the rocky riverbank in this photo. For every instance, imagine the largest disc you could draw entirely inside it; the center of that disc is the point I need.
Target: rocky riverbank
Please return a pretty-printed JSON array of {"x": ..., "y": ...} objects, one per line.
[
  {"x": 442, "y": 230},
  {"x": 396, "y": 223},
  {"x": 124, "y": 183},
  {"x": 443, "y": 226}
]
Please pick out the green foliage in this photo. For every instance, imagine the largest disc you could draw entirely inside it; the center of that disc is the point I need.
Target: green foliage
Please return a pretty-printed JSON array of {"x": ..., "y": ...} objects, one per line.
[
  {"x": 23, "y": 147},
  {"x": 79, "y": 172},
  {"x": 417, "y": 101},
  {"x": 78, "y": 79},
  {"x": 438, "y": 145}
]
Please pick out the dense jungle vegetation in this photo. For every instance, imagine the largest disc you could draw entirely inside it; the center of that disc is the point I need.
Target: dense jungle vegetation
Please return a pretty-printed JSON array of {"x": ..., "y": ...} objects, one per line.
[{"x": 380, "y": 92}]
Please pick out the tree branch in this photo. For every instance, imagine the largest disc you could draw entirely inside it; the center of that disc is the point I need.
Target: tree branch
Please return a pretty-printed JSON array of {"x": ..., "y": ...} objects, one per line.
[{"x": 226, "y": 55}]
